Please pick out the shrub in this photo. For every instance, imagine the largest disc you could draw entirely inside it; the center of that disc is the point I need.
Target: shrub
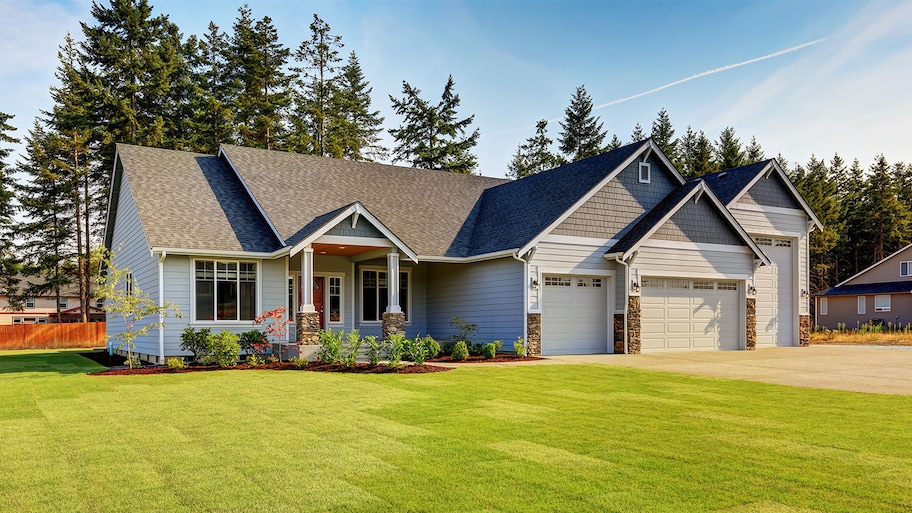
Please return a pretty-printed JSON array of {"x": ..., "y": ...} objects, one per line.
[
  {"x": 254, "y": 342},
  {"x": 519, "y": 347},
  {"x": 134, "y": 362},
  {"x": 395, "y": 346},
  {"x": 460, "y": 351},
  {"x": 254, "y": 361},
  {"x": 464, "y": 330},
  {"x": 489, "y": 351},
  {"x": 300, "y": 362},
  {"x": 414, "y": 350},
  {"x": 225, "y": 348},
  {"x": 176, "y": 363},
  {"x": 431, "y": 345},
  {"x": 352, "y": 348},
  {"x": 475, "y": 349},
  {"x": 374, "y": 350},
  {"x": 331, "y": 346},
  {"x": 498, "y": 344},
  {"x": 446, "y": 347},
  {"x": 196, "y": 342}
]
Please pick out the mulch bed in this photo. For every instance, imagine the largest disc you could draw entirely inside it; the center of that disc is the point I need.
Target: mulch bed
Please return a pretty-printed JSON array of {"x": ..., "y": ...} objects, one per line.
[
  {"x": 500, "y": 357},
  {"x": 360, "y": 368},
  {"x": 103, "y": 358}
]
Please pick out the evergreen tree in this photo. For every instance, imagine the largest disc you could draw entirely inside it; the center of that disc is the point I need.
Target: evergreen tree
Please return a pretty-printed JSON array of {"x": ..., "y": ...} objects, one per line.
[
  {"x": 9, "y": 266},
  {"x": 355, "y": 134},
  {"x": 320, "y": 56},
  {"x": 637, "y": 135},
  {"x": 686, "y": 145},
  {"x": 753, "y": 153},
  {"x": 582, "y": 133},
  {"x": 431, "y": 136},
  {"x": 213, "y": 118},
  {"x": 701, "y": 159},
  {"x": 729, "y": 153},
  {"x": 818, "y": 187},
  {"x": 854, "y": 249},
  {"x": 614, "y": 143},
  {"x": 534, "y": 155},
  {"x": 663, "y": 135},
  {"x": 888, "y": 219}
]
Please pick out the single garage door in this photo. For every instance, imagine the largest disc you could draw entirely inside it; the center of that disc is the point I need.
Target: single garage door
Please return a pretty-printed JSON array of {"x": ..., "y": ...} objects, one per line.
[
  {"x": 575, "y": 315},
  {"x": 689, "y": 315},
  {"x": 775, "y": 294}
]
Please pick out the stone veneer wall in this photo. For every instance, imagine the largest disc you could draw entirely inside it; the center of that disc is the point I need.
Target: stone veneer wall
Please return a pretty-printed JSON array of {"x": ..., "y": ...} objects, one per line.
[
  {"x": 633, "y": 325},
  {"x": 804, "y": 330},
  {"x": 393, "y": 323},
  {"x": 308, "y": 328},
  {"x": 751, "y": 304},
  {"x": 618, "y": 333},
  {"x": 533, "y": 335}
]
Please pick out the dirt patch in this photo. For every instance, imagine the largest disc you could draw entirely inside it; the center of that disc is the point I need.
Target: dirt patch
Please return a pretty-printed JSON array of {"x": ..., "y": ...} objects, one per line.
[
  {"x": 360, "y": 368},
  {"x": 103, "y": 358},
  {"x": 481, "y": 359}
]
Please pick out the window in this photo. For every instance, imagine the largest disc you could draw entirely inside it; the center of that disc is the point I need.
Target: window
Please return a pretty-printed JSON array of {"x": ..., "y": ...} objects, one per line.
[
  {"x": 30, "y": 302},
  {"x": 905, "y": 268},
  {"x": 63, "y": 303},
  {"x": 763, "y": 241},
  {"x": 644, "y": 172},
  {"x": 882, "y": 303},
  {"x": 862, "y": 306},
  {"x": 99, "y": 304},
  {"x": 17, "y": 320},
  {"x": 374, "y": 296},
  {"x": 678, "y": 284},
  {"x": 225, "y": 291},
  {"x": 557, "y": 281},
  {"x": 335, "y": 299},
  {"x": 824, "y": 306},
  {"x": 783, "y": 243},
  {"x": 652, "y": 283},
  {"x": 704, "y": 285},
  {"x": 728, "y": 285},
  {"x": 128, "y": 284}
]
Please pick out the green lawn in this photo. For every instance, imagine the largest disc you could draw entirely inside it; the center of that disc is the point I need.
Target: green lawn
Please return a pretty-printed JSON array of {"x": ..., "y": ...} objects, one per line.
[{"x": 541, "y": 438}]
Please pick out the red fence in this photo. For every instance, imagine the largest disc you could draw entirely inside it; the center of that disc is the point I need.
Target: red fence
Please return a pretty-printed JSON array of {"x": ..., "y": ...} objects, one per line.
[{"x": 53, "y": 336}]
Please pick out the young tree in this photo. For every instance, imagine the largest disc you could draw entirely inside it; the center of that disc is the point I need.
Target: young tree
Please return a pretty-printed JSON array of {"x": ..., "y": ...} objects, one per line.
[
  {"x": 728, "y": 150},
  {"x": 534, "y": 155},
  {"x": 582, "y": 133},
  {"x": 130, "y": 306},
  {"x": 637, "y": 135},
  {"x": 431, "y": 136},
  {"x": 8, "y": 261},
  {"x": 663, "y": 135},
  {"x": 355, "y": 135}
]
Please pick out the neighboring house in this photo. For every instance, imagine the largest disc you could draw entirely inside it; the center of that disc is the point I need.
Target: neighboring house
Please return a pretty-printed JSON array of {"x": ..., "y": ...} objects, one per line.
[
  {"x": 615, "y": 253},
  {"x": 881, "y": 293},
  {"x": 43, "y": 309}
]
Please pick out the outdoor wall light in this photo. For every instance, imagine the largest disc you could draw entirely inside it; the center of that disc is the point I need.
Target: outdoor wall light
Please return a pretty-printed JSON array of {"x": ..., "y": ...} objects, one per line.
[
  {"x": 635, "y": 287},
  {"x": 534, "y": 284},
  {"x": 804, "y": 294},
  {"x": 752, "y": 290}
]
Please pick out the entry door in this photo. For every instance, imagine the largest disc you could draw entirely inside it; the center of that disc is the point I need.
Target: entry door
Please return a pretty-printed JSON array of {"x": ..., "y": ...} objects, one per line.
[{"x": 318, "y": 294}]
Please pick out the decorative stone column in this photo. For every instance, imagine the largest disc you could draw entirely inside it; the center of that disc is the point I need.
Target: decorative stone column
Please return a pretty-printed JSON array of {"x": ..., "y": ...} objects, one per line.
[
  {"x": 618, "y": 333},
  {"x": 308, "y": 328},
  {"x": 633, "y": 325},
  {"x": 533, "y": 334},
  {"x": 804, "y": 330},
  {"x": 393, "y": 322},
  {"x": 751, "y": 307}
]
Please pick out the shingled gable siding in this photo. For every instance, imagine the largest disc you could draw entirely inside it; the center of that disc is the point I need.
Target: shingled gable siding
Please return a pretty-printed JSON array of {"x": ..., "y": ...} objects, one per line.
[
  {"x": 363, "y": 229},
  {"x": 770, "y": 192},
  {"x": 621, "y": 201},
  {"x": 698, "y": 222},
  {"x": 489, "y": 294},
  {"x": 131, "y": 249},
  {"x": 886, "y": 271}
]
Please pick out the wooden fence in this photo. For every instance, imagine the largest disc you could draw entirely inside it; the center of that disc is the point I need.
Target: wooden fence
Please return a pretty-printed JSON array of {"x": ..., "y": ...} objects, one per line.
[{"x": 53, "y": 336}]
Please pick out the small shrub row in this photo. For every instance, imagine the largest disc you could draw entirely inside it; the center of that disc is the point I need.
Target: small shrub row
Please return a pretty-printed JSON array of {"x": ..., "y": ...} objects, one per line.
[
  {"x": 221, "y": 348},
  {"x": 339, "y": 347}
]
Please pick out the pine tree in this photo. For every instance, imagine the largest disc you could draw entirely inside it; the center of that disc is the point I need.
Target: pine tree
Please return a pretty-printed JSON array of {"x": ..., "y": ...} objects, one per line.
[
  {"x": 663, "y": 135},
  {"x": 431, "y": 136},
  {"x": 701, "y": 159},
  {"x": 637, "y": 135},
  {"x": 581, "y": 133},
  {"x": 614, "y": 143},
  {"x": 854, "y": 248},
  {"x": 818, "y": 187},
  {"x": 754, "y": 152},
  {"x": 729, "y": 153},
  {"x": 355, "y": 134},
  {"x": 320, "y": 56},
  {"x": 213, "y": 118},
  {"x": 888, "y": 219},
  {"x": 686, "y": 145},
  {"x": 534, "y": 155},
  {"x": 9, "y": 266}
]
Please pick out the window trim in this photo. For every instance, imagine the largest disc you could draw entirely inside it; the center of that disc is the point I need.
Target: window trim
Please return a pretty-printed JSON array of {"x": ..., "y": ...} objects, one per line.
[
  {"x": 644, "y": 166},
  {"x": 908, "y": 265},
  {"x": 862, "y": 303},
  {"x": 258, "y": 292},
  {"x": 883, "y": 308},
  {"x": 824, "y": 306},
  {"x": 29, "y": 303},
  {"x": 360, "y": 293},
  {"x": 63, "y": 303}
]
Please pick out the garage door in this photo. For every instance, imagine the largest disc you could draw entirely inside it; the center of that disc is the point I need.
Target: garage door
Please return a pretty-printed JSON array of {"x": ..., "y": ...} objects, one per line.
[
  {"x": 575, "y": 315},
  {"x": 775, "y": 294},
  {"x": 689, "y": 315}
]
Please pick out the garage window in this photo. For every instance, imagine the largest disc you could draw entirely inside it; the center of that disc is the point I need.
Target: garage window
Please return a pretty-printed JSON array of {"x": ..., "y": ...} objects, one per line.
[
  {"x": 652, "y": 283},
  {"x": 824, "y": 306},
  {"x": 679, "y": 284},
  {"x": 557, "y": 281},
  {"x": 763, "y": 241},
  {"x": 882, "y": 303},
  {"x": 704, "y": 285},
  {"x": 727, "y": 285},
  {"x": 862, "y": 306}
]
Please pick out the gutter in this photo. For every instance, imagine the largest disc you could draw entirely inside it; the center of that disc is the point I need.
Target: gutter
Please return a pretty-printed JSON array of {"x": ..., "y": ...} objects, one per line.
[{"x": 525, "y": 320}]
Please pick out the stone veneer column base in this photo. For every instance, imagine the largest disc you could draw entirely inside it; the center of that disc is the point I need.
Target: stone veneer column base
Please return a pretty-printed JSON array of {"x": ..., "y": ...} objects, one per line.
[
  {"x": 393, "y": 323},
  {"x": 618, "y": 333},
  {"x": 308, "y": 328},
  {"x": 751, "y": 307},
  {"x": 804, "y": 330},
  {"x": 533, "y": 334},
  {"x": 633, "y": 325}
]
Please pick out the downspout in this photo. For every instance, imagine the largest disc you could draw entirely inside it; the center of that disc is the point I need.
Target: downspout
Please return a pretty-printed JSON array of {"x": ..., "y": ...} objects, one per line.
[
  {"x": 626, "y": 297},
  {"x": 525, "y": 316},
  {"x": 161, "y": 307}
]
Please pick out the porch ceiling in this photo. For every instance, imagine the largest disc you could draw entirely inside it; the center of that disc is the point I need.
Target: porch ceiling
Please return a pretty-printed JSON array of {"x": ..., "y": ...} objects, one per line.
[{"x": 343, "y": 249}]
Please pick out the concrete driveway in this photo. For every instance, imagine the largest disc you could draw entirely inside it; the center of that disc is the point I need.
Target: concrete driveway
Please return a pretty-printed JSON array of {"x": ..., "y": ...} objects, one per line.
[{"x": 881, "y": 370}]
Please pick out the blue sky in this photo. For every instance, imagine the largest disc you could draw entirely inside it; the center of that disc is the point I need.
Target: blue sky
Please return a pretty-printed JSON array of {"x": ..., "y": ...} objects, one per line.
[{"x": 803, "y": 77}]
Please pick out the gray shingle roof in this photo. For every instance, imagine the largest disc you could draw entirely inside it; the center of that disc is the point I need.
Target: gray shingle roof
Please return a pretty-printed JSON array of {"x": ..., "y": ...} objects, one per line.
[
  {"x": 894, "y": 287},
  {"x": 193, "y": 201},
  {"x": 728, "y": 183}
]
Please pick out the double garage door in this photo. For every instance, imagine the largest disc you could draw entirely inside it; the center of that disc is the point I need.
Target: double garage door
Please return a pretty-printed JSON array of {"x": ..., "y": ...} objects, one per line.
[{"x": 689, "y": 315}]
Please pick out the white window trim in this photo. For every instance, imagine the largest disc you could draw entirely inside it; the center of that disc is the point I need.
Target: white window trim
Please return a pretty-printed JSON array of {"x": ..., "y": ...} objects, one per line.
[
  {"x": 63, "y": 303},
  {"x": 259, "y": 293},
  {"x": 644, "y": 166},
  {"x": 29, "y": 303},
  {"x": 862, "y": 305},
  {"x": 824, "y": 306},
  {"x": 883, "y": 308},
  {"x": 359, "y": 290},
  {"x": 908, "y": 268}
]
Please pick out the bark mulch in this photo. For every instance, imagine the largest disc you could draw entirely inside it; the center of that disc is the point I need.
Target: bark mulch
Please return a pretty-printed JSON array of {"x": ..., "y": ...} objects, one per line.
[{"x": 360, "y": 368}]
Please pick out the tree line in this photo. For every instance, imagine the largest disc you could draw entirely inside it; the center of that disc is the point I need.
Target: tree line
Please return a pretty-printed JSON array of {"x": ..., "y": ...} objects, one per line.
[{"x": 134, "y": 78}]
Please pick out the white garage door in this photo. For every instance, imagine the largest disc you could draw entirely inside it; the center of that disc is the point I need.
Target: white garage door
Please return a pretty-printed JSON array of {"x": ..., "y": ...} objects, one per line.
[
  {"x": 775, "y": 294},
  {"x": 574, "y": 315},
  {"x": 689, "y": 315}
]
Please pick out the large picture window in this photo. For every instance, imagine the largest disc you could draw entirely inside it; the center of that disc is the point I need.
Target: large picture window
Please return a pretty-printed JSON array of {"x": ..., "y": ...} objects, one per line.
[
  {"x": 225, "y": 291},
  {"x": 374, "y": 296}
]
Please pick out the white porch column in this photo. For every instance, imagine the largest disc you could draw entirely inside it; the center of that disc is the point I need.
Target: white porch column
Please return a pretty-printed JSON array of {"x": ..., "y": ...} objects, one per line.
[
  {"x": 392, "y": 281},
  {"x": 307, "y": 278}
]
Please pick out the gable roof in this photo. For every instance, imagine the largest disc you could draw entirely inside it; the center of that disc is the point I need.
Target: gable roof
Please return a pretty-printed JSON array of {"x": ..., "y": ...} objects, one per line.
[
  {"x": 655, "y": 218},
  {"x": 895, "y": 287},
  {"x": 730, "y": 184},
  {"x": 874, "y": 265}
]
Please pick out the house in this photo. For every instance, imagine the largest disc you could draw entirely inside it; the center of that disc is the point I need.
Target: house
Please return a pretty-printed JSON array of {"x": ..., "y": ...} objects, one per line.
[
  {"x": 881, "y": 293},
  {"x": 615, "y": 253},
  {"x": 43, "y": 309}
]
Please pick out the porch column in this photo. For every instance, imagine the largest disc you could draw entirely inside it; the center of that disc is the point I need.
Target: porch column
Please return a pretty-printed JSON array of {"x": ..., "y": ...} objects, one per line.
[
  {"x": 308, "y": 319},
  {"x": 394, "y": 317}
]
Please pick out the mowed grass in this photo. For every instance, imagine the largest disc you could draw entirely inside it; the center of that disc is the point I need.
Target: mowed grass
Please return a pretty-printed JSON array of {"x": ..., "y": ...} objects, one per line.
[{"x": 537, "y": 438}]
